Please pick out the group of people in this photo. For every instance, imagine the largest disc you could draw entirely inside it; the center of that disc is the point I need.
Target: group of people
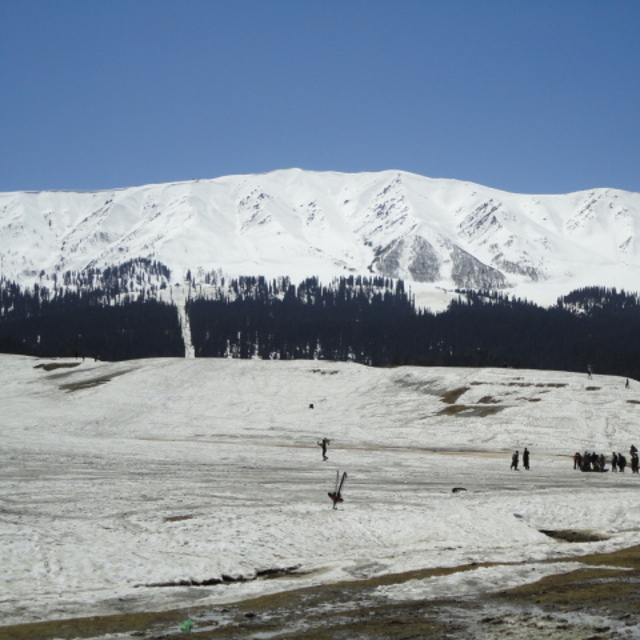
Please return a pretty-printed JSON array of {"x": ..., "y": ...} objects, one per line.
[
  {"x": 515, "y": 459},
  {"x": 597, "y": 462},
  {"x": 619, "y": 461},
  {"x": 589, "y": 461}
]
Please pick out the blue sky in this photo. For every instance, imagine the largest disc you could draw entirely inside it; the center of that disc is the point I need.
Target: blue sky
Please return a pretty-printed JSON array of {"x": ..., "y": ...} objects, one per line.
[{"x": 538, "y": 96}]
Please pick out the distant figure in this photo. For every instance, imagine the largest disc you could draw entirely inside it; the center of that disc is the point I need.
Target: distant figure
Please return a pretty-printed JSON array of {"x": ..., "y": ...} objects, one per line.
[
  {"x": 336, "y": 498},
  {"x": 525, "y": 458},
  {"x": 514, "y": 460},
  {"x": 336, "y": 494},
  {"x": 577, "y": 460},
  {"x": 622, "y": 462},
  {"x": 626, "y": 384},
  {"x": 324, "y": 443},
  {"x": 632, "y": 449},
  {"x": 614, "y": 462},
  {"x": 634, "y": 463},
  {"x": 589, "y": 372}
]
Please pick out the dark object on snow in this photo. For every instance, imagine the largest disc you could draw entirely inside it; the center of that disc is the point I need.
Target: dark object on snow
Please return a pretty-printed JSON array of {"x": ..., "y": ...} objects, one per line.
[
  {"x": 311, "y": 406},
  {"x": 593, "y": 462},
  {"x": 457, "y": 489},
  {"x": 324, "y": 443},
  {"x": 577, "y": 460},
  {"x": 514, "y": 460},
  {"x": 622, "y": 462},
  {"x": 336, "y": 495},
  {"x": 525, "y": 458}
]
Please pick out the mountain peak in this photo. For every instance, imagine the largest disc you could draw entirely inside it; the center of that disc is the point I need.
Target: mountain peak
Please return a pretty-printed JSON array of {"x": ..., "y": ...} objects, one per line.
[{"x": 432, "y": 232}]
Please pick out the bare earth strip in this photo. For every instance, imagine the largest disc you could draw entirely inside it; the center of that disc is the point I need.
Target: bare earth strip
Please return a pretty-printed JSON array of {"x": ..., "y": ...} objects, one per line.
[{"x": 600, "y": 601}]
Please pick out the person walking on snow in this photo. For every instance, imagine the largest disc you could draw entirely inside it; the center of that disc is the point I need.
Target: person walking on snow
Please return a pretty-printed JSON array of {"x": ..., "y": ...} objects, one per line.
[
  {"x": 514, "y": 460},
  {"x": 324, "y": 443}
]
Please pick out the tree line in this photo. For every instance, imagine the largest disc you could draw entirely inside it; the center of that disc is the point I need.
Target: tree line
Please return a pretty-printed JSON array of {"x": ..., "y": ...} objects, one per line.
[
  {"x": 369, "y": 320},
  {"x": 86, "y": 323}
]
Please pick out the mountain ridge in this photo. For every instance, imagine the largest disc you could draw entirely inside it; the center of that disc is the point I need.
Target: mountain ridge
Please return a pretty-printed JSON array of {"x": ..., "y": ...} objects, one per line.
[{"x": 435, "y": 233}]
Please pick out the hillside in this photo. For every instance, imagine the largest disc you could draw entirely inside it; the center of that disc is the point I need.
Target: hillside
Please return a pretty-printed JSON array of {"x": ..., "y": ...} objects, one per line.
[
  {"x": 435, "y": 234},
  {"x": 136, "y": 486}
]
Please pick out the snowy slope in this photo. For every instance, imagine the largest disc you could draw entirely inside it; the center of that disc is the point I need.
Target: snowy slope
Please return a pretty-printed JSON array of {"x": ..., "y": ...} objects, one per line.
[
  {"x": 434, "y": 233},
  {"x": 116, "y": 477}
]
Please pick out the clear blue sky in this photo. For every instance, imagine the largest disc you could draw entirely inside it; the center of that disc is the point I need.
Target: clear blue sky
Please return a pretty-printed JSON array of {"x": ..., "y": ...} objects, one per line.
[{"x": 530, "y": 96}]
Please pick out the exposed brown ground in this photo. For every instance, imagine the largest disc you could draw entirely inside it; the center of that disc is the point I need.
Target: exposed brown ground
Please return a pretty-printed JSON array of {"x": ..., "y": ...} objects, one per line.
[{"x": 589, "y": 604}]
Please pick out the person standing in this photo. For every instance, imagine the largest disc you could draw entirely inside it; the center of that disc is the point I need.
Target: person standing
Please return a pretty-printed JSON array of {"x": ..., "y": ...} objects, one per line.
[
  {"x": 514, "y": 460},
  {"x": 324, "y": 443},
  {"x": 577, "y": 460},
  {"x": 525, "y": 458}
]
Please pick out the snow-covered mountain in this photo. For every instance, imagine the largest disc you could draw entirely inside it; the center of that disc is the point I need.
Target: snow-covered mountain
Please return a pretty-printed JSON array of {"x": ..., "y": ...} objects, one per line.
[{"x": 434, "y": 233}]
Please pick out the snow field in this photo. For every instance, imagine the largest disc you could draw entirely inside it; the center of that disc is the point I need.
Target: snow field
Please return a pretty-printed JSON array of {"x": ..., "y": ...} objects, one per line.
[{"x": 118, "y": 477}]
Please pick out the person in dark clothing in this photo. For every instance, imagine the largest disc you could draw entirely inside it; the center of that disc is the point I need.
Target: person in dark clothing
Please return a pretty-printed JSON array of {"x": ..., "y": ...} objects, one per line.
[
  {"x": 514, "y": 460},
  {"x": 622, "y": 462},
  {"x": 577, "y": 460},
  {"x": 336, "y": 494},
  {"x": 525, "y": 458},
  {"x": 324, "y": 443},
  {"x": 614, "y": 462}
]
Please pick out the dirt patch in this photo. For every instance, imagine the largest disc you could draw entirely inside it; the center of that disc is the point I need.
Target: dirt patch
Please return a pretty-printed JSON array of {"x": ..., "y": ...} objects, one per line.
[
  {"x": 85, "y": 384},
  {"x": 550, "y": 385},
  {"x": 177, "y": 518},
  {"x": 593, "y": 388},
  {"x": 611, "y": 587},
  {"x": 573, "y": 535},
  {"x": 52, "y": 366},
  {"x": 470, "y": 411},
  {"x": 92, "y": 382},
  {"x": 263, "y": 574},
  {"x": 601, "y": 600},
  {"x": 451, "y": 397}
]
